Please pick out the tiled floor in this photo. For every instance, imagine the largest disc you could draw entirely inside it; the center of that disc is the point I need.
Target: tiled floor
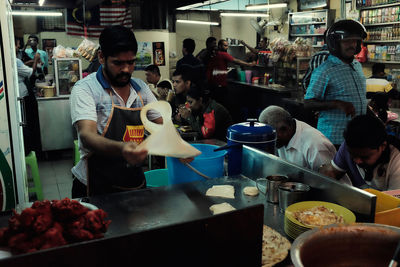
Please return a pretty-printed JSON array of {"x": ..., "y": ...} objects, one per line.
[{"x": 55, "y": 174}]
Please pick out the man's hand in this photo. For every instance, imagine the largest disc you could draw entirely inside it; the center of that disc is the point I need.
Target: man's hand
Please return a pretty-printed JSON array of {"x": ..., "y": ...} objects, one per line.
[
  {"x": 328, "y": 170},
  {"x": 132, "y": 155},
  {"x": 346, "y": 107}
]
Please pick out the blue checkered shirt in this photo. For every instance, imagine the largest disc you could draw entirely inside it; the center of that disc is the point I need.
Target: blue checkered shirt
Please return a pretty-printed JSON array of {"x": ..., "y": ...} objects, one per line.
[{"x": 335, "y": 80}]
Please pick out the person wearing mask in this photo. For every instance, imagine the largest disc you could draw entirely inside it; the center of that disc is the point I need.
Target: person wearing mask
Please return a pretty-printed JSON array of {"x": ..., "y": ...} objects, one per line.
[
  {"x": 207, "y": 53},
  {"x": 369, "y": 156},
  {"x": 205, "y": 116},
  {"x": 337, "y": 87},
  {"x": 217, "y": 71},
  {"x": 188, "y": 47},
  {"x": 33, "y": 42},
  {"x": 105, "y": 110},
  {"x": 296, "y": 141}
]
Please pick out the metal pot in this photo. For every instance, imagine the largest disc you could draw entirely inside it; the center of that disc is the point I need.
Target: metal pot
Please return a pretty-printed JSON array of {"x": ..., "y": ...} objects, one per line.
[
  {"x": 251, "y": 133},
  {"x": 359, "y": 244}
]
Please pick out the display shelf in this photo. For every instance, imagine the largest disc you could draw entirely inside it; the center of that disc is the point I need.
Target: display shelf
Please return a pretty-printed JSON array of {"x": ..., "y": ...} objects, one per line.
[
  {"x": 308, "y": 23},
  {"x": 382, "y": 61},
  {"x": 382, "y": 24},
  {"x": 300, "y": 35},
  {"x": 381, "y": 41},
  {"x": 379, "y": 6}
]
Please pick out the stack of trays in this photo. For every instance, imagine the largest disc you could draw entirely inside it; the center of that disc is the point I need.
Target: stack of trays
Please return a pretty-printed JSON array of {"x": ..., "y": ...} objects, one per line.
[{"x": 293, "y": 228}]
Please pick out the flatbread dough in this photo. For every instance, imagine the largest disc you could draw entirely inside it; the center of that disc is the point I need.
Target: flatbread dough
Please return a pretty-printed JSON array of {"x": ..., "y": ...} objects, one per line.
[
  {"x": 225, "y": 191},
  {"x": 221, "y": 208},
  {"x": 251, "y": 191},
  {"x": 275, "y": 247}
]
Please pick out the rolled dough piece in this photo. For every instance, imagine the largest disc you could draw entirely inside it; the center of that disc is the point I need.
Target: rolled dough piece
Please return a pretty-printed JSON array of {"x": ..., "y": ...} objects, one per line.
[
  {"x": 221, "y": 208},
  {"x": 250, "y": 191},
  {"x": 225, "y": 191}
]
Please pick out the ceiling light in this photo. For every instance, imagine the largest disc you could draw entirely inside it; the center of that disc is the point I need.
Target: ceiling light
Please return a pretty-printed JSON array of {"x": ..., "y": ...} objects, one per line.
[
  {"x": 227, "y": 14},
  {"x": 265, "y": 6},
  {"x": 37, "y": 13},
  {"x": 41, "y": 2},
  {"x": 204, "y": 3},
  {"x": 197, "y": 22}
]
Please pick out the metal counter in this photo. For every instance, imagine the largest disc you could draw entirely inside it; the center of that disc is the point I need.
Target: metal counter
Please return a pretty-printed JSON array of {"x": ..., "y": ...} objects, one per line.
[{"x": 56, "y": 130}]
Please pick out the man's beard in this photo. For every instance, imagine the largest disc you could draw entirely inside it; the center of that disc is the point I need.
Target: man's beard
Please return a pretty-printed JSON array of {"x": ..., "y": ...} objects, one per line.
[{"x": 114, "y": 80}]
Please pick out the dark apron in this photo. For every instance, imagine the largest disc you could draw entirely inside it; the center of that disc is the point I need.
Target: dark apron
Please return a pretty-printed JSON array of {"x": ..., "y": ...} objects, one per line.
[{"x": 108, "y": 174}]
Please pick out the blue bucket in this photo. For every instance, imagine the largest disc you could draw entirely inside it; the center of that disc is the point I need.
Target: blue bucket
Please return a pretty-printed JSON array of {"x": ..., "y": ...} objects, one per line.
[{"x": 208, "y": 162}]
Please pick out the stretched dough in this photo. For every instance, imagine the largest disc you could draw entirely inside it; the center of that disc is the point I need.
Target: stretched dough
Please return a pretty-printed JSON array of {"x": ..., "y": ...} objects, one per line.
[
  {"x": 221, "y": 208},
  {"x": 164, "y": 139}
]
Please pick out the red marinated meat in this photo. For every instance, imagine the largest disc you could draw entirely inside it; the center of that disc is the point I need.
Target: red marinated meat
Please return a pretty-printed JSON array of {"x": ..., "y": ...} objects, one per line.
[
  {"x": 49, "y": 224},
  {"x": 95, "y": 221}
]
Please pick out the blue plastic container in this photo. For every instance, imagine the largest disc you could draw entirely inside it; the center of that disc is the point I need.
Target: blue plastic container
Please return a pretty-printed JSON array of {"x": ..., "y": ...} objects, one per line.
[
  {"x": 251, "y": 133},
  {"x": 208, "y": 162},
  {"x": 156, "y": 178}
]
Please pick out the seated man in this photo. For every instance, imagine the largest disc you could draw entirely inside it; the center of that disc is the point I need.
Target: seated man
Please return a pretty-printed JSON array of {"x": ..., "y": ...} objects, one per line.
[
  {"x": 377, "y": 83},
  {"x": 298, "y": 142},
  {"x": 368, "y": 156}
]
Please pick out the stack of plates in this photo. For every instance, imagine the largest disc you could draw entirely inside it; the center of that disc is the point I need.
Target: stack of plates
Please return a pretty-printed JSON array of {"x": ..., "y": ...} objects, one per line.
[{"x": 294, "y": 228}]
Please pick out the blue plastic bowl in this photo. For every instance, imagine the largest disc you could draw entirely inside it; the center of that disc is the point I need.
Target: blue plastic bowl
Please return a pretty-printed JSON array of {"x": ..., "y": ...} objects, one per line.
[{"x": 208, "y": 162}]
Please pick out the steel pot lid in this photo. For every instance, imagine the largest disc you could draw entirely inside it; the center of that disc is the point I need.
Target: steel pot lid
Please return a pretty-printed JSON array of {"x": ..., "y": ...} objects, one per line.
[{"x": 251, "y": 132}]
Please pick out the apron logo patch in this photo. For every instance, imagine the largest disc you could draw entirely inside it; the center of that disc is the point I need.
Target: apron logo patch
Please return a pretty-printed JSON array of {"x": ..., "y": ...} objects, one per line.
[{"x": 134, "y": 133}]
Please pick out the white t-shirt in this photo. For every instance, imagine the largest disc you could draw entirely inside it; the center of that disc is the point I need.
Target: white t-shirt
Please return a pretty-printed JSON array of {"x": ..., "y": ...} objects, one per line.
[
  {"x": 308, "y": 147},
  {"x": 90, "y": 101},
  {"x": 23, "y": 72}
]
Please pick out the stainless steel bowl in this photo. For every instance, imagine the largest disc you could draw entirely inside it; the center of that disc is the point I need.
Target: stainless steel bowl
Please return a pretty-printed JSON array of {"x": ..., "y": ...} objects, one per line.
[{"x": 359, "y": 244}]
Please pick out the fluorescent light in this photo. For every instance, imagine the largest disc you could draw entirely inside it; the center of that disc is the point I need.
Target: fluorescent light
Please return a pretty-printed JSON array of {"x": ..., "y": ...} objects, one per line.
[
  {"x": 37, "y": 13},
  {"x": 204, "y": 3},
  {"x": 41, "y": 2},
  {"x": 265, "y": 6},
  {"x": 227, "y": 14},
  {"x": 197, "y": 22}
]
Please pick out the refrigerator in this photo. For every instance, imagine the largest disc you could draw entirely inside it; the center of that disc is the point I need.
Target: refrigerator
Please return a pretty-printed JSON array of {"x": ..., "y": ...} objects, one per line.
[{"x": 13, "y": 186}]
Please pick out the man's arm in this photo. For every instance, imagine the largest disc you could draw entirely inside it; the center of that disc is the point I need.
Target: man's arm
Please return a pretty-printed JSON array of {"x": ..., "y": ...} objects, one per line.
[
  {"x": 315, "y": 104},
  {"x": 90, "y": 139},
  {"x": 252, "y": 49},
  {"x": 243, "y": 63}
]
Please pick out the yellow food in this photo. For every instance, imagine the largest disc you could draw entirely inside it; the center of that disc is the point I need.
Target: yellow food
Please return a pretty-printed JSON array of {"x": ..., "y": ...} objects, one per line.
[{"x": 318, "y": 216}]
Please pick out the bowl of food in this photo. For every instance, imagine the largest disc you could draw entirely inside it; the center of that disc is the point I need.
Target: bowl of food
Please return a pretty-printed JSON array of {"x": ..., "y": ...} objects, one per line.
[{"x": 357, "y": 244}]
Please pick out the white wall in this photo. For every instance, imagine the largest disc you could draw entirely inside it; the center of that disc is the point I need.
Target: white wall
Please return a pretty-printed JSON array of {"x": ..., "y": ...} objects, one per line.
[
  {"x": 155, "y": 36},
  {"x": 238, "y": 28}
]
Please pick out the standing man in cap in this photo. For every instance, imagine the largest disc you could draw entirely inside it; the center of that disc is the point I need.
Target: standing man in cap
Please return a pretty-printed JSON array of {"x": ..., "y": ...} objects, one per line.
[{"x": 337, "y": 87}]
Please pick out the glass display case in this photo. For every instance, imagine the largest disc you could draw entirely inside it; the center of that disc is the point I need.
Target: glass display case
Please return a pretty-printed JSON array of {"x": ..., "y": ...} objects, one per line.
[{"x": 67, "y": 72}]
